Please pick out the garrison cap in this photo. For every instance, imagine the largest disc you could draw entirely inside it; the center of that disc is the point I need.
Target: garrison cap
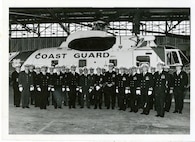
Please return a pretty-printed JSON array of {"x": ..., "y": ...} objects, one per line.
[
  {"x": 27, "y": 65},
  {"x": 91, "y": 68},
  {"x": 133, "y": 67},
  {"x": 178, "y": 65},
  {"x": 111, "y": 64},
  {"x": 160, "y": 63},
  {"x": 166, "y": 67},
  {"x": 144, "y": 65},
  {"x": 43, "y": 67},
  {"x": 73, "y": 66},
  {"x": 37, "y": 67},
  {"x": 98, "y": 68},
  {"x": 17, "y": 66}
]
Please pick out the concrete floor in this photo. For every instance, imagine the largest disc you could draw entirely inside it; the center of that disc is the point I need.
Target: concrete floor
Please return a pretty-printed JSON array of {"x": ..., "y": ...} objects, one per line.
[{"x": 90, "y": 121}]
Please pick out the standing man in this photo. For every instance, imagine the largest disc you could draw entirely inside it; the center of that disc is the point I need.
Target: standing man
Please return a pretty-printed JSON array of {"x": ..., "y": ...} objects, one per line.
[
  {"x": 79, "y": 93},
  {"x": 37, "y": 83},
  {"x": 73, "y": 86},
  {"x": 84, "y": 88},
  {"x": 109, "y": 90},
  {"x": 121, "y": 84},
  {"x": 43, "y": 88},
  {"x": 180, "y": 83},
  {"x": 146, "y": 89},
  {"x": 98, "y": 88},
  {"x": 116, "y": 78},
  {"x": 134, "y": 81},
  {"x": 64, "y": 84},
  {"x": 26, "y": 85},
  {"x": 32, "y": 93},
  {"x": 58, "y": 88},
  {"x": 160, "y": 84},
  {"x": 152, "y": 100},
  {"x": 17, "y": 94},
  {"x": 168, "y": 98},
  {"x": 51, "y": 83},
  {"x": 91, "y": 78}
]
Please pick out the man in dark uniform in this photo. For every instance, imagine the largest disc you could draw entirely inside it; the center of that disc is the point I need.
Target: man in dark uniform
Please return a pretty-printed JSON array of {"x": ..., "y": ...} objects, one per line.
[
  {"x": 116, "y": 78},
  {"x": 42, "y": 87},
  {"x": 103, "y": 87},
  {"x": 121, "y": 88},
  {"x": 58, "y": 82},
  {"x": 32, "y": 93},
  {"x": 134, "y": 82},
  {"x": 51, "y": 83},
  {"x": 91, "y": 78},
  {"x": 73, "y": 86},
  {"x": 79, "y": 92},
  {"x": 26, "y": 85},
  {"x": 160, "y": 83},
  {"x": 64, "y": 84},
  {"x": 37, "y": 83},
  {"x": 146, "y": 89},
  {"x": 168, "y": 98},
  {"x": 109, "y": 90},
  {"x": 17, "y": 94},
  {"x": 152, "y": 100},
  {"x": 84, "y": 88},
  {"x": 99, "y": 80},
  {"x": 180, "y": 83}
]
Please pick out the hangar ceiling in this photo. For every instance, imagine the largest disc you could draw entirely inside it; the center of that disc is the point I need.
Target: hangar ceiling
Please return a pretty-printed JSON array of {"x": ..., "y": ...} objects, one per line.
[{"x": 171, "y": 16}]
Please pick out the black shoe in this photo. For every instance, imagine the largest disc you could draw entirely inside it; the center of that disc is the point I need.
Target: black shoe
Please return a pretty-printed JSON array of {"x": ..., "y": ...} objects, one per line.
[
  {"x": 23, "y": 107},
  {"x": 27, "y": 107},
  {"x": 161, "y": 115},
  {"x": 88, "y": 107},
  {"x": 95, "y": 107},
  {"x": 175, "y": 111},
  {"x": 100, "y": 107},
  {"x": 112, "y": 107},
  {"x": 157, "y": 115},
  {"x": 180, "y": 112},
  {"x": 55, "y": 107},
  {"x": 147, "y": 113},
  {"x": 167, "y": 110},
  {"x": 108, "y": 107},
  {"x": 131, "y": 111},
  {"x": 81, "y": 107},
  {"x": 60, "y": 107},
  {"x": 73, "y": 107},
  {"x": 142, "y": 113},
  {"x": 17, "y": 106}
]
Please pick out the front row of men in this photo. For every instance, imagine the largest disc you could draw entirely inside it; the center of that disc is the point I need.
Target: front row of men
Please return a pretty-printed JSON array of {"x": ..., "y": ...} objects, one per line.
[{"x": 142, "y": 90}]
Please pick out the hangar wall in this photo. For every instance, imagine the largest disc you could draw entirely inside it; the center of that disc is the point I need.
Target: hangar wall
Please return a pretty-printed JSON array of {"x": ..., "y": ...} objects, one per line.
[{"x": 30, "y": 44}]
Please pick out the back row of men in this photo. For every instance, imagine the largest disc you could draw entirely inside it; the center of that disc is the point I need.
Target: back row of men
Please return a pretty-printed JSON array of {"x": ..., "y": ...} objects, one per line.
[{"x": 144, "y": 90}]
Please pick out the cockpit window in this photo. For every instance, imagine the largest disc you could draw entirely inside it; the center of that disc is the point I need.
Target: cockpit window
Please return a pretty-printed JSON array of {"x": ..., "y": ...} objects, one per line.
[
  {"x": 184, "y": 59},
  {"x": 172, "y": 58}
]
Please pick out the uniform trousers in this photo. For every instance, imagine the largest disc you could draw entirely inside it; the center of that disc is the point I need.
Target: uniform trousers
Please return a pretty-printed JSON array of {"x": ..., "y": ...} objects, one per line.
[
  {"x": 72, "y": 97},
  {"x": 25, "y": 94},
  {"x": 179, "y": 97},
  {"x": 57, "y": 96},
  {"x": 110, "y": 96},
  {"x": 122, "y": 98},
  {"x": 160, "y": 100},
  {"x": 133, "y": 100},
  {"x": 98, "y": 98},
  {"x": 145, "y": 100},
  {"x": 85, "y": 93},
  {"x": 168, "y": 101},
  {"x": 44, "y": 97},
  {"x": 17, "y": 95}
]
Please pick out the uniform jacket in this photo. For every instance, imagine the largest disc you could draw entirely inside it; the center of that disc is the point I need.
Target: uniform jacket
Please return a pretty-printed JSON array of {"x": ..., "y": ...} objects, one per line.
[
  {"x": 51, "y": 79},
  {"x": 14, "y": 78},
  {"x": 161, "y": 80},
  {"x": 25, "y": 80},
  {"x": 99, "y": 79},
  {"x": 180, "y": 81},
  {"x": 37, "y": 80},
  {"x": 65, "y": 78},
  {"x": 122, "y": 81},
  {"x": 58, "y": 79},
  {"x": 44, "y": 80},
  {"x": 91, "y": 79},
  {"x": 84, "y": 81},
  {"x": 134, "y": 80},
  {"x": 73, "y": 79},
  {"x": 110, "y": 77},
  {"x": 146, "y": 81}
]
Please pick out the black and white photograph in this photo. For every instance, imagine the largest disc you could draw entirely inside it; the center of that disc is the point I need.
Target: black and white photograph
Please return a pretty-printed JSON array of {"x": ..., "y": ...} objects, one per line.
[{"x": 99, "y": 71}]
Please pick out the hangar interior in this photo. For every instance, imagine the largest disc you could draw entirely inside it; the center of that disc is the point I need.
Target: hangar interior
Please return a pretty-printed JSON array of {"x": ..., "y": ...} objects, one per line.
[{"x": 36, "y": 28}]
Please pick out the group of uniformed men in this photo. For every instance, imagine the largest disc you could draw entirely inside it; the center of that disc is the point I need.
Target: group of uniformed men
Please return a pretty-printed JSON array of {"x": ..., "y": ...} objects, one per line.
[{"x": 125, "y": 87}]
